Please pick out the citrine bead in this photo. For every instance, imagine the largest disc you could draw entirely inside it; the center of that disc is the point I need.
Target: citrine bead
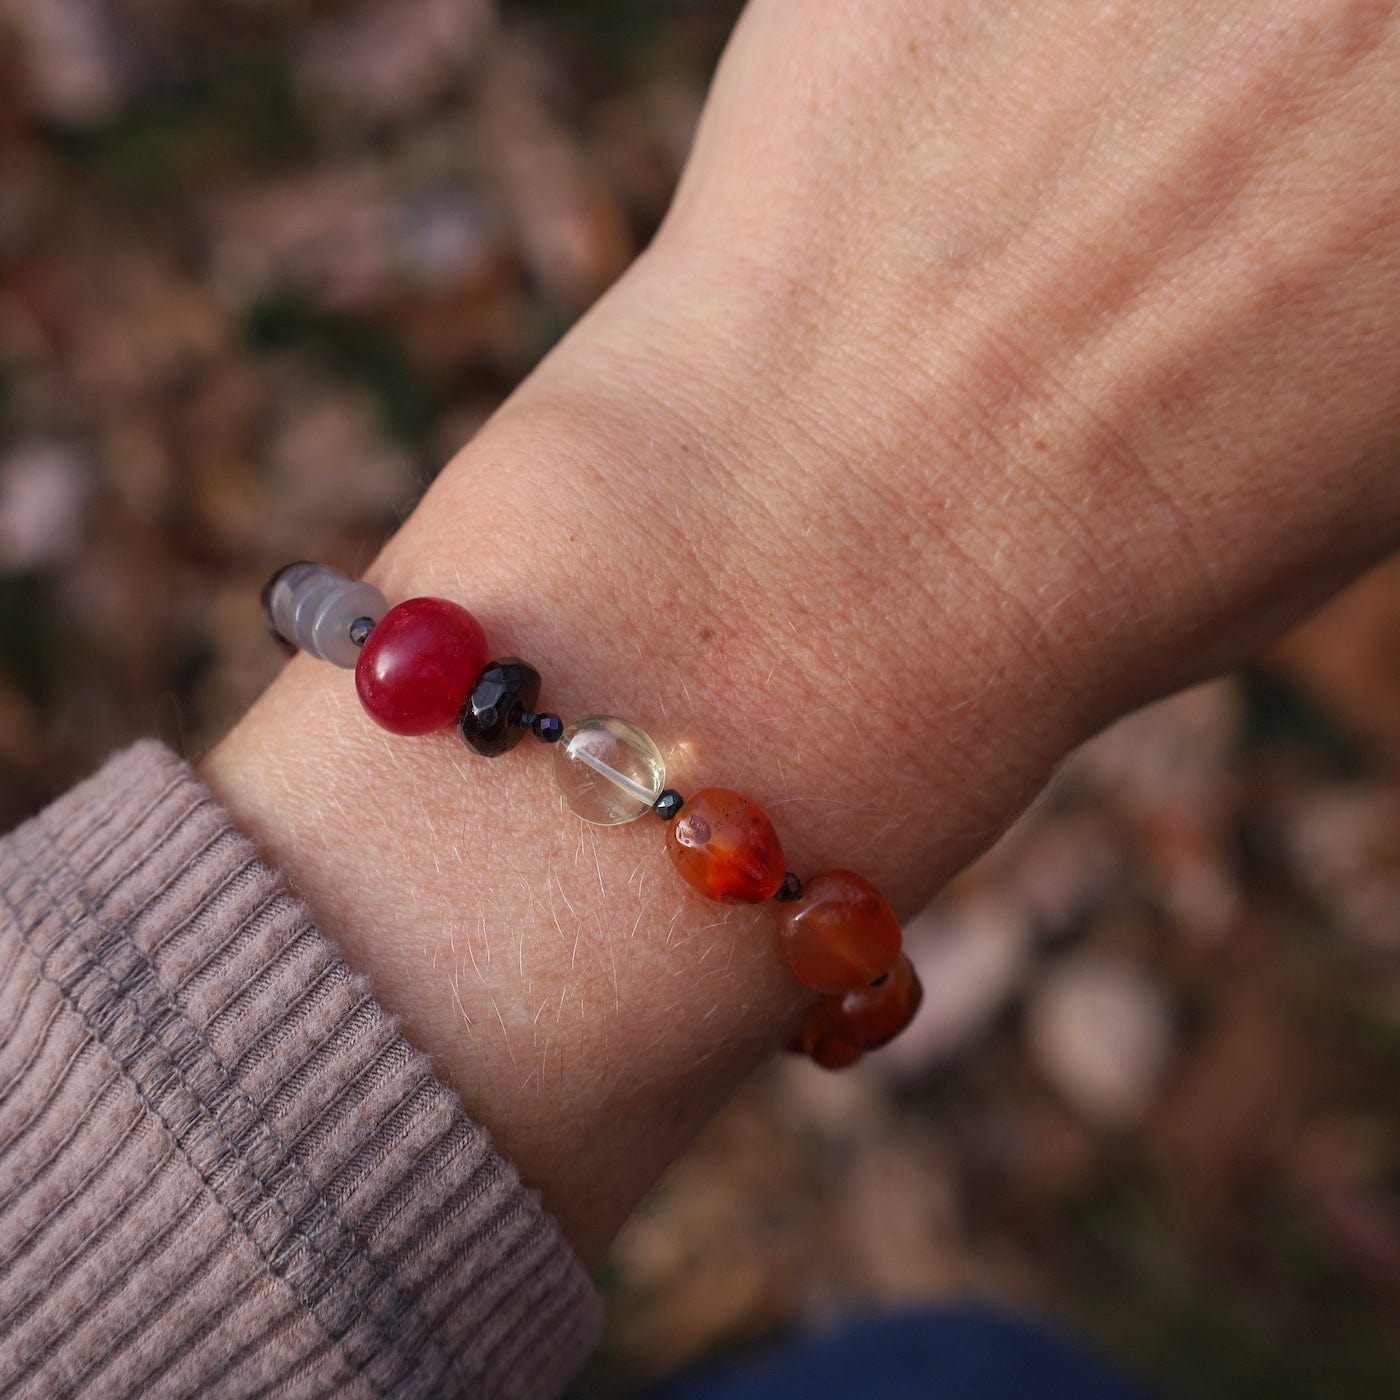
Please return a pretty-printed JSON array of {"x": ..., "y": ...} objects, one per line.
[
  {"x": 608, "y": 769},
  {"x": 417, "y": 667},
  {"x": 840, "y": 935},
  {"x": 725, "y": 846},
  {"x": 874, "y": 1015}
]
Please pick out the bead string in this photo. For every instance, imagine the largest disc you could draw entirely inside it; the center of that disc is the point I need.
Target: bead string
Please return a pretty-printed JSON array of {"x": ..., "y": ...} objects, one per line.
[{"x": 425, "y": 664}]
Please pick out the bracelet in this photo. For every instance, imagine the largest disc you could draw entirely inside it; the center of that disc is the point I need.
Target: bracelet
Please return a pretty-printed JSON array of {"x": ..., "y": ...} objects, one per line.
[{"x": 424, "y": 665}]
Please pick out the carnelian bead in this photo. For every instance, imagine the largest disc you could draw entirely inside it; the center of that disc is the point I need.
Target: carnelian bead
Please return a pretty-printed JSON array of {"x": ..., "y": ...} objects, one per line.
[
  {"x": 418, "y": 666},
  {"x": 816, "y": 1041},
  {"x": 841, "y": 935},
  {"x": 874, "y": 1015},
  {"x": 725, "y": 846},
  {"x": 831, "y": 1053}
]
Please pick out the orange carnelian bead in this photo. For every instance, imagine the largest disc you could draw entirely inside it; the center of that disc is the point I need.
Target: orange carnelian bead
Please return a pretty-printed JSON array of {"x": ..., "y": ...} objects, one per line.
[
  {"x": 816, "y": 1041},
  {"x": 726, "y": 847},
  {"x": 841, "y": 935},
  {"x": 830, "y": 1053},
  {"x": 874, "y": 1015}
]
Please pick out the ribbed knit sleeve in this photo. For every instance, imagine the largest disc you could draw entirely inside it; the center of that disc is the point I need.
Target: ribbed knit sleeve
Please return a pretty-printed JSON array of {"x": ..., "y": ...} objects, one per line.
[{"x": 223, "y": 1171}]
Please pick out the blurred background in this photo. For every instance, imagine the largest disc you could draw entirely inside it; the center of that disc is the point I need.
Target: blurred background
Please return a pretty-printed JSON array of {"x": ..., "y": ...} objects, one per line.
[{"x": 265, "y": 266}]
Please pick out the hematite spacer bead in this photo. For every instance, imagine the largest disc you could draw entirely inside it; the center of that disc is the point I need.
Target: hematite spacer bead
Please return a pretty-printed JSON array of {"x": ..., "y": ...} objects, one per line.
[
  {"x": 547, "y": 728},
  {"x": 360, "y": 630},
  {"x": 490, "y": 720},
  {"x": 791, "y": 890},
  {"x": 668, "y": 804}
]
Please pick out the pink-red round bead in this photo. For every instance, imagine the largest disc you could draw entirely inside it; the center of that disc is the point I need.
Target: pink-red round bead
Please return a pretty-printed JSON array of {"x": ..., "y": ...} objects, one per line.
[{"x": 418, "y": 666}]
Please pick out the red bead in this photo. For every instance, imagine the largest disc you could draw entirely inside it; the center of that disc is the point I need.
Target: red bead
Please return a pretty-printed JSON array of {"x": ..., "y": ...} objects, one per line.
[
  {"x": 418, "y": 666},
  {"x": 816, "y": 1041},
  {"x": 841, "y": 935},
  {"x": 725, "y": 846},
  {"x": 874, "y": 1015},
  {"x": 831, "y": 1053}
]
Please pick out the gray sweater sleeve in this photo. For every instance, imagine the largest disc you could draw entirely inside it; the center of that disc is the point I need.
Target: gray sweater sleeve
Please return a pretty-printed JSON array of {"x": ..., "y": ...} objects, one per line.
[{"x": 223, "y": 1171}]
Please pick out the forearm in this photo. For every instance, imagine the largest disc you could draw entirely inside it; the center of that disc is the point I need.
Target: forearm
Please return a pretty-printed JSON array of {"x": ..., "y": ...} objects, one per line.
[
  {"x": 874, "y": 529},
  {"x": 589, "y": 1007}
]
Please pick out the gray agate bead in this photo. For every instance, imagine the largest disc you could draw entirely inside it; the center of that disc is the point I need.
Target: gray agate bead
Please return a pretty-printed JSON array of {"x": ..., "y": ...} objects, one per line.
[{"x": 313, "y": 607}]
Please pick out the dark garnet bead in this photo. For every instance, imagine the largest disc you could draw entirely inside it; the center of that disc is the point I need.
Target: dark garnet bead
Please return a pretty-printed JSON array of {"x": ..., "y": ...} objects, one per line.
[
  {"x": 490, "y": 720},
  {"x": 668, "y": 804},
  {"x": 547, "y": 728},
  {"x": 791, "y": 890}
]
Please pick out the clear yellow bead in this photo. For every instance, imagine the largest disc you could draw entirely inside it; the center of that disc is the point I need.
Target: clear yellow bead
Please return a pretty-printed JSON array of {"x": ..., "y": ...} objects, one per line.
[{"x": 609, "y": 771}]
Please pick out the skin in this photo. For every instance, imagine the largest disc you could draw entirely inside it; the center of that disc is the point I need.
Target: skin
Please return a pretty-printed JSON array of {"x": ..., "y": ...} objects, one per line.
[{"x": 998, "y": 368}]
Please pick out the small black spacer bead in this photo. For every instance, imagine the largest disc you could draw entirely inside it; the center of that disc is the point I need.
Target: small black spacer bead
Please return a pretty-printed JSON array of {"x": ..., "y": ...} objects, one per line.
[
  {"x": 547, "y": 728},
  {"x": 526, "y": 719},
  {"x": 791, "y": 890},
  {"x": 360, "y": 630},
  {"x": 668, "y": 804}
]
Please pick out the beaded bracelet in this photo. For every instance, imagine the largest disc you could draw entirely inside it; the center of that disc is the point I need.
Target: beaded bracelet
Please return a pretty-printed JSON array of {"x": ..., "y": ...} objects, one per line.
[{"x": 424, "y": 665}]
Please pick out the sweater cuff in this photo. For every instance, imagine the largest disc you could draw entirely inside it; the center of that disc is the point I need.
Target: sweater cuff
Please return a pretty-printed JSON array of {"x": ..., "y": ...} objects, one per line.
[{"x": 357, "y": 1199}]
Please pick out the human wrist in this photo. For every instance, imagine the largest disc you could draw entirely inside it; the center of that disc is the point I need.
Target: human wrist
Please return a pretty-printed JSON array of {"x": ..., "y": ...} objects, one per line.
[
  {"x": 889, "y": 658},
  {"x": 569, "y": 986},
  {"x": 873, "y": 526}
]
